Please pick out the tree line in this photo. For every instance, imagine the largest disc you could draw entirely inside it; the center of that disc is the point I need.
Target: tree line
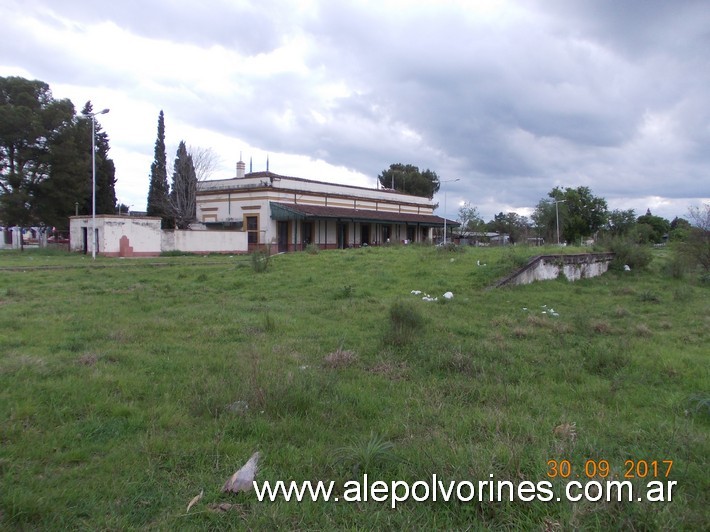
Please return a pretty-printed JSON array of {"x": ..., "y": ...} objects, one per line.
[
  {"x": 46, "y": 164},
  {"x": 176, "y": 204},
  {"x": 574, "y": 215}
]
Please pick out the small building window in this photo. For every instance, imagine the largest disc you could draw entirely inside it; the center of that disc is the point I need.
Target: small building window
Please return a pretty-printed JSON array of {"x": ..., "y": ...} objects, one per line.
[{"x": 252, "y": 229}]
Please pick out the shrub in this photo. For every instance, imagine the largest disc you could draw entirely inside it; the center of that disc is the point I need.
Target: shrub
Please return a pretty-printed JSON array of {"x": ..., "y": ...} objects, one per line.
[
  {"x": 346, "y": 292},
  {"x": 628, "y": 253},
  {"x": 312, "y": 249},
  {"x": 259, "y": 261},
  {"x": 512, "y": 259},
  {"x": 678, "y": 266},
  {"x": 405, "y": 322}
]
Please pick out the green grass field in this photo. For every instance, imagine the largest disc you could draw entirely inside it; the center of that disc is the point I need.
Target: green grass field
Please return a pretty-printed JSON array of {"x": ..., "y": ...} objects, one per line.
[{"x": 128, "y": 386}]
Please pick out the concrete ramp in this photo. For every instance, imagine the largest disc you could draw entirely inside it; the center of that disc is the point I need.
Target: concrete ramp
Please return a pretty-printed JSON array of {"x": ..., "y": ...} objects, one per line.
[{"x": 546, "y": 267}]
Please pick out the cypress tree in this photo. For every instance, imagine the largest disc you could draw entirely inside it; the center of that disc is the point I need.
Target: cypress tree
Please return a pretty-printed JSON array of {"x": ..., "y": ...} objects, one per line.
[
  {"x": 158, "y": 203},
  {"x": 184, "y": 189}
]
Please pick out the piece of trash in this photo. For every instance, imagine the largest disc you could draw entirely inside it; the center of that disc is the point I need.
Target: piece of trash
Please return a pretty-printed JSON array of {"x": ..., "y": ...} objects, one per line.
[
  {"x": 627, "y": 268},
  {"x": 222, "y": 506},
  {"x": 566, "y": 431},
  {"x": 238, "y": 407},
  {"x": 448, "y": 295},
  {"x": 195, "y": 500},
  {"x": 525, "y": 308},
  {"x": 242, "y": 479},
  {"x": 416, "y": 292},
  {"x": 544, "y": 312}
]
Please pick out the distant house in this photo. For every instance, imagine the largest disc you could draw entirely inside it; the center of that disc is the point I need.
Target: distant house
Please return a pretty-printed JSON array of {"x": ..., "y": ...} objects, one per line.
[
  {"x": 283, "y": 213},
  {"x": 476, "y": 238}
]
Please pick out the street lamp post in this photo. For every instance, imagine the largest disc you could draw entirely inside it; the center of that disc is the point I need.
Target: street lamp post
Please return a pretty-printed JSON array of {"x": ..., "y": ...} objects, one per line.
[
  {"x": 93, "y": 180},
  {"x": 442, "y": 182},
  {"x": 557, "y": 216}
]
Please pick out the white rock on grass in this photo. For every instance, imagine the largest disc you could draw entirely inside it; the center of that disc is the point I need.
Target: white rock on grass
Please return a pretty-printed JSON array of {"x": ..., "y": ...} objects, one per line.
[{"x": 449, "y": 295}]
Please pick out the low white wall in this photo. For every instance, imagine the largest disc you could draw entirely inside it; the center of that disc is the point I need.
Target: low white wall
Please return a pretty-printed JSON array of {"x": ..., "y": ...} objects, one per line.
[
  {"x": 204, "y": 241},
  {"x": 573, "y": 267},
  {"x": 141, "y": 235}
]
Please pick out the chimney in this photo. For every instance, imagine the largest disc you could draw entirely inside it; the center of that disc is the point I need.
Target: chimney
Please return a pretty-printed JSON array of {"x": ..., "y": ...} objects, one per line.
[{"x": 241, "y": 168}]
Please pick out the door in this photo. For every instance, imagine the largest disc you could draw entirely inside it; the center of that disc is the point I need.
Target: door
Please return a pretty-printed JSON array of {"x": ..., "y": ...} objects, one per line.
[
  {"x": 364, "y": 234},
  {"x": 342, "y": 234},
  {"x": 282, "y": 230}
]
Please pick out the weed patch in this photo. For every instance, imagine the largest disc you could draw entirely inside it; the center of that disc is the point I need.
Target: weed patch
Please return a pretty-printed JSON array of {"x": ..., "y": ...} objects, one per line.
[
  {"x": 405, "y": 323},
  {"x": 260, "y": 261}
]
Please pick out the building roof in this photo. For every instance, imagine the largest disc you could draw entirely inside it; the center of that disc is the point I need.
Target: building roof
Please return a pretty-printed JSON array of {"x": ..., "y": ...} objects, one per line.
[
  {"x": 289, "y": 184},
  {"x": 292, "y": 211}
]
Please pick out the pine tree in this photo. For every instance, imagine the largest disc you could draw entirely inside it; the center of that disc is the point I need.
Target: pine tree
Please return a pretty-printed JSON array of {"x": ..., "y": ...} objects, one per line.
[
  {"x": 69, "y": 180},
  {"x": 31, "y": 121},
  {"x": 184, "y": 189},
  {"x": 158, "y": 203}
]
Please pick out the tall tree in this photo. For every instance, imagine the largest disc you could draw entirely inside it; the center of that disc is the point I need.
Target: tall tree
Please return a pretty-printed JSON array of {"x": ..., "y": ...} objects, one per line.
[
  {"x": 68, "y": 186},
  {"x": 184, "y": 189},
  {"x": 511, "y": 224},
  {"x": 470, "y": 219},
  {"x": 30, "y": 121},
  {"x": 544, "y": 220},
  {"x": 652, "y": 229},
  {"x": 697, "y": 246},
  {"x": 158, "y": 189},
  {"x": 408, "y": 179},
  {"x": 621, "y": 222},
  {"x": 582, "y": 213}
]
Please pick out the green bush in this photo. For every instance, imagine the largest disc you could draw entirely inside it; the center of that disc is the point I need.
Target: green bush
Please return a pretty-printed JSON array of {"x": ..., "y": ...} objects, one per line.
[
  {"x": 628, "y": 253},
  {"x": 259, "y": 261},
  {"x": 405, "y": 322},
  {"x": 677, "y": 267}
]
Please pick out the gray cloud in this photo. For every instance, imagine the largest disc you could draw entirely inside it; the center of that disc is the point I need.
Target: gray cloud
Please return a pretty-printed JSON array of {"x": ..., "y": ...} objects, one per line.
[{"x": 515, "y": 102}]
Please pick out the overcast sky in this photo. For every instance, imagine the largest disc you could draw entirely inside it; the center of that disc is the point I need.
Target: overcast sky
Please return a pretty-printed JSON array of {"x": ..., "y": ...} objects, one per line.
[{"x": 512, "y": 98}]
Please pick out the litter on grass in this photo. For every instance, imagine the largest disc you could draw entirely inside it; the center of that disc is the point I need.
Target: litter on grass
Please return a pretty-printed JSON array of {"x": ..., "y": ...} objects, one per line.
[
  {"x": 427, "y": 297},
  {"x": 243, "y": 478}
]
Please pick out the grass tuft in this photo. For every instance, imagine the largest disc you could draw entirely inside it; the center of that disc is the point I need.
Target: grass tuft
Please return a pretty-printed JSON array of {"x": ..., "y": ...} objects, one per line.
[
  {"x": 366, "y": 455},
  {"x": 406, "y": 323}
]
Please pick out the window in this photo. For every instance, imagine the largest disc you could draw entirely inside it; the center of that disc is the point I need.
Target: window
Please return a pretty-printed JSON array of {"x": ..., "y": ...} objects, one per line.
[{"x": 252, "y": 229}]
